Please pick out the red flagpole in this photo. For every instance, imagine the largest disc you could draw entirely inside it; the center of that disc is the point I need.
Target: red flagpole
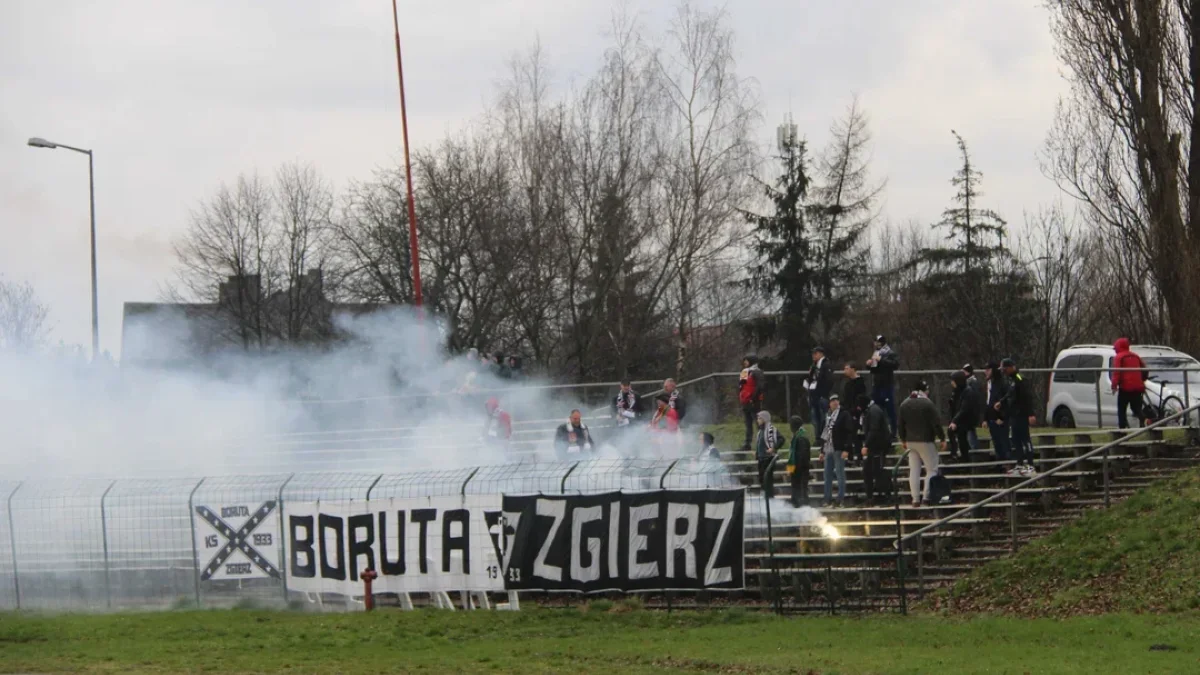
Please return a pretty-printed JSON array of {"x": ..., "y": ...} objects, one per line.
[{"x": 412, "y": 210}]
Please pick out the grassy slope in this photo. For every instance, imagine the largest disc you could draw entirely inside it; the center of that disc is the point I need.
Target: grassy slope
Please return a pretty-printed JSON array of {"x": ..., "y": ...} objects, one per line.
[
  {"x": 560, "y": 641},
  {"x": 1143, "y": 555}
]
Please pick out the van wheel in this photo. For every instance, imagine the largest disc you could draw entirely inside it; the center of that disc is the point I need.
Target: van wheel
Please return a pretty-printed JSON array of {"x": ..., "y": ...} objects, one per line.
[{"x": 1063, "y": 419}]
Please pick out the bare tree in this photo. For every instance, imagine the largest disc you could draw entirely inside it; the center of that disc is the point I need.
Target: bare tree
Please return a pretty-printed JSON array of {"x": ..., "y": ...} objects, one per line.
[
  {"x": 1125, "y": 141},
  {"x": 708, "y": 155},
  {"x": 24, "y": 318}
]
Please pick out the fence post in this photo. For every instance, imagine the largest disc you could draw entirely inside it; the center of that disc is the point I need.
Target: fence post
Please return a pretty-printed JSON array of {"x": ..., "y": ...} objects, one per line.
[
  {"x": 1012, "y": 520},
  {"x": 776, "y": 583},
  {"x": 195, "y": 550},
  {"x": 787, "y": 387},
  {"x": 1187, "y": 397},
  {"x": 662, "y": 481},
  {"x": 463, "y": 493},
  {"x": 283, "y": 562},
  {"x": 104, "y": 540},
  {"x": 372, "y": 486},
  {"x": 562, "y": 487},
  {"x": 1106, "y": 493},
  {"x": 1099, "y": 407},
  {"x": 12, "y": 541}
]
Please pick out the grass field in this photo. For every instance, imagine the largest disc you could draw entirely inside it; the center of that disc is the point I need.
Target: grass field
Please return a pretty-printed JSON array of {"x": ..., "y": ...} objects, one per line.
[{"x": 593, "y": 641}]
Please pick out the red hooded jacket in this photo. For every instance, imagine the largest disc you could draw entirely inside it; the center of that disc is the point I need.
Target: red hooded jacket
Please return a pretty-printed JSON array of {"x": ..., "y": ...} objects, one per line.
[
  {"x": 1130, "y": 381},
  {"x": 499, "y": 422}
]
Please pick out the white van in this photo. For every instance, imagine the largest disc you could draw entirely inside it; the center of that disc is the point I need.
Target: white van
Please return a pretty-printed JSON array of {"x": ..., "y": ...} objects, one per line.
[{"x": 1072, "y": 400}]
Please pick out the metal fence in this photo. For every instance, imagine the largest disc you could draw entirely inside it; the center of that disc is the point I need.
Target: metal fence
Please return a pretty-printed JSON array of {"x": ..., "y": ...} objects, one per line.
[{"x": 105, "y": 544}]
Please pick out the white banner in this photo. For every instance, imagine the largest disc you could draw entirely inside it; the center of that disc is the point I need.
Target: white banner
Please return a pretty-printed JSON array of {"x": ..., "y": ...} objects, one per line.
[
  {"x": 415, "y": 545},
  {"x": 237, "y": 541}
]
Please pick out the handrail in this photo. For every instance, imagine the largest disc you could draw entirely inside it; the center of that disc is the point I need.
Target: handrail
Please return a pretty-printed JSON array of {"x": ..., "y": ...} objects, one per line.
[{"x": 1020, "y": 486}]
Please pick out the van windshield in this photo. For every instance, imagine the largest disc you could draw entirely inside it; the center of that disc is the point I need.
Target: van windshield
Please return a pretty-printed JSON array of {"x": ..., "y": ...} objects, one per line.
[{"x": 1161, "y": 370}]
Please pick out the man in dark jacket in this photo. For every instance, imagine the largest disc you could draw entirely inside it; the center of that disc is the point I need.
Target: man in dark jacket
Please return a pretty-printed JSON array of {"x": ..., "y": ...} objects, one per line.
[
  {"x": 967, "y": 416},
  {"x": 883, "y": 364},
  {"x": 973, "y": 383},
  {"x": 919, "y": 428},
  {"x": 877, "y": 443},
  {"x": 573, "y": 440},
  {"x": 767, "y": 445},
  {"x": 625, "y": 406},
  {"x": 750, "y": 394},
  {"x": 1129, "y": 385},
  {"x": 854, "y": 391},
  {"x": 799, "y": 464},
  {"x": 819, "y": 385},
  {"x": 837, "y": 444},
  {"x": 674, "y": 399},
  {"x": 1022, "y": 415},
  {"x": 997, "y": 392}
]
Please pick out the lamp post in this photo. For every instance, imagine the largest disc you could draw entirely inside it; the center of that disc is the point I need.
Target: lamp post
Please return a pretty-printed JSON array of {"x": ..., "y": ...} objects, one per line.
[
  {"x": 412, "y": 211},
  {"x": 43, "y": 143}
]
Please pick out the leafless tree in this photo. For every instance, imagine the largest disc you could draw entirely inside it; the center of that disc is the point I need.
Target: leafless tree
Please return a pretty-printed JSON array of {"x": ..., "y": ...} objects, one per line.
[
  {"x": 708, "y": 153},
  {"x": 1124, "y": 143},
  {"x": 24, "y": 318}
]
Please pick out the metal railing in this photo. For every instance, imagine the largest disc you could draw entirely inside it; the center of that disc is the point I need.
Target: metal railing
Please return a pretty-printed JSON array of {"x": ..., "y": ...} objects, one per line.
[{"x": 1010, "y": 493}]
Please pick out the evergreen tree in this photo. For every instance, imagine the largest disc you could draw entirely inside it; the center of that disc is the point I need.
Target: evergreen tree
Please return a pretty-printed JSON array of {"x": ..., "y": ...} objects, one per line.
[
  {"x": 976, "y": 234},
  {"x": 783, "y": 246}
]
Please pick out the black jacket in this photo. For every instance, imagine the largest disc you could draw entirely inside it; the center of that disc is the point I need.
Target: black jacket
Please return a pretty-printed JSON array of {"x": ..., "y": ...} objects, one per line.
[
  {"x": 997, "y": 392},
  {"x": 842, "y": 432},
  {"x": 851, "y": 390},
  {"x": 877, "y": 432},
  {"x": 820, "y": 377},
  {"x": 1019, "y": 400},
  {"x": 883, "y": 373},
  {"x": 625, "y": 402},
  {"x": 970, "y": 407},
  {"x": 563, "y": 441},
  {"x": 675, "y": 401}
]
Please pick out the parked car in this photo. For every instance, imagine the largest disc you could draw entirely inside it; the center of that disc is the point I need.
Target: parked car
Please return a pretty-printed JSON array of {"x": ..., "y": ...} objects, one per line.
[{"x": 1073, "y": 395}]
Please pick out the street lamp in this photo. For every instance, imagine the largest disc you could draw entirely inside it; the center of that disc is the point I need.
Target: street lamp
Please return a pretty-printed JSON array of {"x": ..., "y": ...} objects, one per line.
[{"x": 43, "y": 143}]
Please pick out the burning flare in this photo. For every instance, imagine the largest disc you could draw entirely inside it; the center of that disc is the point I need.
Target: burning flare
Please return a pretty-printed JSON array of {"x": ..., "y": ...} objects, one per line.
[{"x": 829, "y": 530}]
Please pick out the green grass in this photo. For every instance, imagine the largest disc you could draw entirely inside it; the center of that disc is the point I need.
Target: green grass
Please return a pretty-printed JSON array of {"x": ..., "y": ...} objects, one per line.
[
  {"x": 1143, "y": 555},
  {"x": 620, "y": 640}
]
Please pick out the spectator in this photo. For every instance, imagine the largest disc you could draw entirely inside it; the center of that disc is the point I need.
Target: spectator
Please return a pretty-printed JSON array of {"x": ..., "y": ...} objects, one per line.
[
  {"x": 854, "y": 388},
  {"x": 750, "y": 395},
  {"x": 665, "y": 427},
  {"x": 515, "y": 370},
  {"x": 674, "y": 401},
  {"x": 973, "y": 383},
  {"x": 967, "y": 416},
  {"x": 919, "y": 428},
  {"x": 766, "y": 447},
  {"x": 1019, "y": 402},
  {"x": 877, "y": 443},
  {"x": 799, "y": 464},
  {"x": 572, "y": 440},
  {"x": 883, "y": 365},
  {"x": 837, "y": 442},
  {"x": 997, "y": 392},
  {"x": 502, "y": 369},
  {"x": 498, "y": 432},
  {"x": 625, "y": 407},
  {"x": 708, "y": 448},
  {"x": 819, "y": 385},
  {"x": 1128, "y": 385}
]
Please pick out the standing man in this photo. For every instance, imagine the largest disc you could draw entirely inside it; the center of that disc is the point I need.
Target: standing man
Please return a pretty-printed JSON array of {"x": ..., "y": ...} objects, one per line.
[
  {"x": 819, "y": 385},
  {"x": 973, "y": 383},
  {"x": 766, "y": 445},
  {"x": 1128, "y": 385},
  {"x": 883, "y": 365},
  {"x": 498, "y": 432},
  {"x": 877, "y": 443},
  {"x": 625, "y": 407},
  {"x": 838, "y": 441},
  {"x": 919, "y": 427},
  {"x": 799, "y": 464},
  {"x": 854, "y": 393},
  {"x": 968, "y": 415},
  {"x": 997, "y": 393},
  {"x": 1019, "y": 402},
  {"x": 750, "y": 395},
  {"x": 573, "y": 440}
]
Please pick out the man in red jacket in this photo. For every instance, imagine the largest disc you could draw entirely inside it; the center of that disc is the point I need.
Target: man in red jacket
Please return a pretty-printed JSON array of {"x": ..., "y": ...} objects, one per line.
[
  {"x": 1129, "y": 385},
  {"x": 498, "y": 432},
  {"x": 750, "y": 395}
]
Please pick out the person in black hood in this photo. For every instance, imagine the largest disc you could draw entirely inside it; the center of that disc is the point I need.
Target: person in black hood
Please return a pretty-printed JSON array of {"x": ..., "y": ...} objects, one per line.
[
  {"x": 820, "y": 386},
  {"x": 1021, "y": 415},
  {"x": 876, "y": 444},
  {"x": 997, "y": 412},
  {"x": 967, "y": 414},
  {"x": 883, "y": 364}
]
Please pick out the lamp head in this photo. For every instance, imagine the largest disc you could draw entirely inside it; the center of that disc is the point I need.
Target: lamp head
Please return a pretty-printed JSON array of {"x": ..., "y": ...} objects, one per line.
[{"x": 42, "y": 143}]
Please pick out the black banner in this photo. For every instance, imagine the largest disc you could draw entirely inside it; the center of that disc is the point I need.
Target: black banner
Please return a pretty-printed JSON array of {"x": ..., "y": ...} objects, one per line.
[{"x": 661, "y": 540}]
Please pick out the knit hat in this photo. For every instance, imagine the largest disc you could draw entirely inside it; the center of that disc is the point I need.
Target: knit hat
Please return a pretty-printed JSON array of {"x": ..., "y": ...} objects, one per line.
[
  {"x": 1008, "y": 363},
  {"x": 797, "y": 424},
  {"x": 968, "y": 369},
  {"x": 881, "y": 339}
]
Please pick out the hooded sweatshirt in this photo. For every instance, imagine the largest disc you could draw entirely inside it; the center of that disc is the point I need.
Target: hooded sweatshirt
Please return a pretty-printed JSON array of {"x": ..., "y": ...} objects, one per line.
[
  {"x": 768, "y": 441},
  {"x": 1129, "y": 381},
  {"x": 800, "y": 452}
]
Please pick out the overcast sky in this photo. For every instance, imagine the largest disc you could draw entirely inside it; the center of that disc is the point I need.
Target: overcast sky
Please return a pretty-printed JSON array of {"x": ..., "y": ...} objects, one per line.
[{"x": 176, "y": 96}]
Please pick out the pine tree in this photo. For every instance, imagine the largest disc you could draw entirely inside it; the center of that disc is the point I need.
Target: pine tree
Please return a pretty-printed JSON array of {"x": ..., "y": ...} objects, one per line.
[
  {"x": 782, "y": 243},
  {"x": 976, "y": 234}
]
